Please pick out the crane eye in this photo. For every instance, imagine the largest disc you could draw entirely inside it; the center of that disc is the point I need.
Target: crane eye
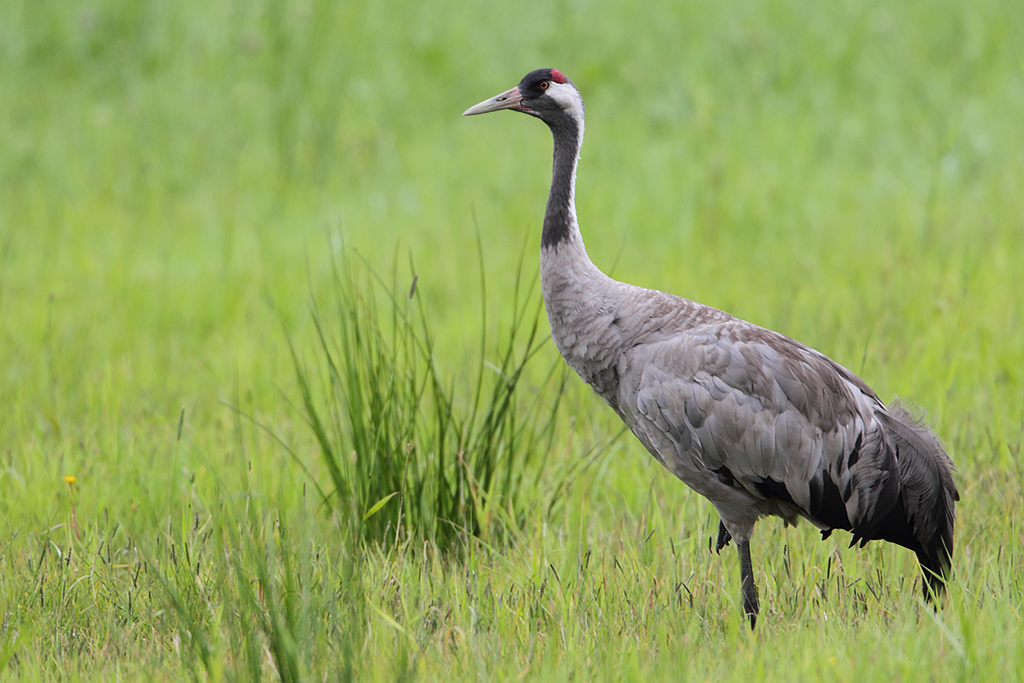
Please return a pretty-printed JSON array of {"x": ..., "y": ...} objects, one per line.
[{"x": 544, "y": 85}]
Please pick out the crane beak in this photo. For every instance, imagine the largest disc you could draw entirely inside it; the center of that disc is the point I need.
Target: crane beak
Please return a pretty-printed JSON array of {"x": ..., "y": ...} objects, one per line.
[{"x": 510, "y": 99}]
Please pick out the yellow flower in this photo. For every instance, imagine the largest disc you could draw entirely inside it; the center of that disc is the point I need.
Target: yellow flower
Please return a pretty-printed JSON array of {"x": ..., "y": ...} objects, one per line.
[{"x": 70, "y": 479}]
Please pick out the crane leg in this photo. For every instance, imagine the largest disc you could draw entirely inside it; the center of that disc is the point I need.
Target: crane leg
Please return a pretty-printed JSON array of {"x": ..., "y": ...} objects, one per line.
[{"x": 750, "y": 604}]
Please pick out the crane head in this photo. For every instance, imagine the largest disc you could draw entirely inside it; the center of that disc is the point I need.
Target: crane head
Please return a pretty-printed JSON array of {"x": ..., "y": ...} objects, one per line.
[{"x": 545, "y": 93}]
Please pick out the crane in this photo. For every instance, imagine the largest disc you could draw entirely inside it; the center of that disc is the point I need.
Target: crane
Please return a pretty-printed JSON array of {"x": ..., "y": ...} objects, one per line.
[{"x": 756, "y": 422}]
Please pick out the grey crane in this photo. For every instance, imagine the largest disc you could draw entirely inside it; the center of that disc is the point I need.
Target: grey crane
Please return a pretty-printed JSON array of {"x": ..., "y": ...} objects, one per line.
[{"x": 754, "y": 421}]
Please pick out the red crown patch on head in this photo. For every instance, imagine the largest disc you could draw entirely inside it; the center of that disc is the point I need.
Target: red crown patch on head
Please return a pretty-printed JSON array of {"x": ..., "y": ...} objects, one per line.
[{"x": 557, "y": 76}]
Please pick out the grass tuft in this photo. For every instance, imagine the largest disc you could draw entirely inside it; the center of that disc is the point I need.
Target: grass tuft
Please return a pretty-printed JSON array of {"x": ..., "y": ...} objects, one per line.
[{"x": 412, "y": 453}]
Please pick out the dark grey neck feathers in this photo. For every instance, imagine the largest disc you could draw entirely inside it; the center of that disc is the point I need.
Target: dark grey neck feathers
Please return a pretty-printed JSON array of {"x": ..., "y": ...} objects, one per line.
[{"x": 559, "y": 217}]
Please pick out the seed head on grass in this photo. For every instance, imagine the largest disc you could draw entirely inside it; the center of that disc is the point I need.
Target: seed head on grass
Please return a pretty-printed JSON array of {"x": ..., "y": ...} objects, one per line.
[{"x": 70, "y": 480}]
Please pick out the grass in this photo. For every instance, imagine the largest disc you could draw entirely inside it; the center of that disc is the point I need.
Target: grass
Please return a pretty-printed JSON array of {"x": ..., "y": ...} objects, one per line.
[
  {"x": 391, "y": 428},
  {"x": 176, "y": 182}
]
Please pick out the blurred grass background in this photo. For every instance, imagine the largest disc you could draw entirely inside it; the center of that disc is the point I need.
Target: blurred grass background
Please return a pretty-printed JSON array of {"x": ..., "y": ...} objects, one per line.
[{"x": 177, "y": 178}]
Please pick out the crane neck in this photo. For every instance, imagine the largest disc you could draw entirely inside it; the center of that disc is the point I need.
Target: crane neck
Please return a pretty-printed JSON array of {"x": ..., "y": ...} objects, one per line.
[
  {"x": 560, "y": 225},
  {"x": 577, "y": 295}
]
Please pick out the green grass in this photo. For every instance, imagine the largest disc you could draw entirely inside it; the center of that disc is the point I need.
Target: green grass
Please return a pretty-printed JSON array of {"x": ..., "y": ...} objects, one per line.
[
  {"x": 177, "y": 180},
  {"x": 407, "y": 455}
]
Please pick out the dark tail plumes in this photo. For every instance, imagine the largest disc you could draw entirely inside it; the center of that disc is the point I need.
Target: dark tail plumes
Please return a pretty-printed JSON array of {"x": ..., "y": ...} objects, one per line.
[{"x": 923, "y": 518}]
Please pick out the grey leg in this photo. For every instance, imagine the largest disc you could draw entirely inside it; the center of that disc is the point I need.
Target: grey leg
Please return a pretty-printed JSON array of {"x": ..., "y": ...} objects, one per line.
[{"x": 750, "y": 604}]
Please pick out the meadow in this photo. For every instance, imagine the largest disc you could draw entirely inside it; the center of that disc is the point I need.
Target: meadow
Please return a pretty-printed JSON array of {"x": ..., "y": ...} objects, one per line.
[{"x": 243, "y": 245}]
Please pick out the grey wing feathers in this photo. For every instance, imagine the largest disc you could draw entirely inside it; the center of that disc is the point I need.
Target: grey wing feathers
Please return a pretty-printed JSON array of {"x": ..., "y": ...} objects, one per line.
[{"x": 773, "y": 416}]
